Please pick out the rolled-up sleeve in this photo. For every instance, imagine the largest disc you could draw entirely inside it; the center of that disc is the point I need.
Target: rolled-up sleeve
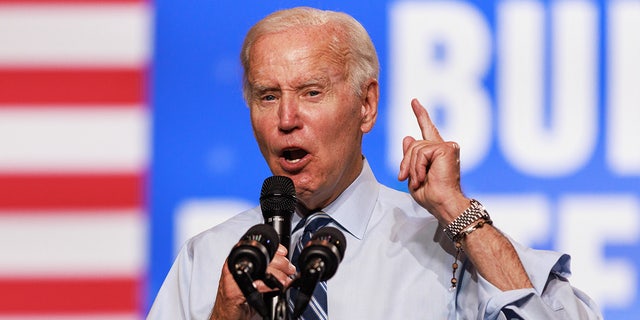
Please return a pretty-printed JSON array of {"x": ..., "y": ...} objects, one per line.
[{"x": 552, "y": 297}]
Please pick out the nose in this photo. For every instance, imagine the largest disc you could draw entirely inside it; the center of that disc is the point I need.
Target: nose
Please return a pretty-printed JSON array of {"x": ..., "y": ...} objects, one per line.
[{"x": 288, "y": 113}]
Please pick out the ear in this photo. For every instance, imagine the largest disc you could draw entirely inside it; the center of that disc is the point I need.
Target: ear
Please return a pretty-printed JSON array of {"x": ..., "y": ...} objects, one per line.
[{"x": 369, "y": 110}]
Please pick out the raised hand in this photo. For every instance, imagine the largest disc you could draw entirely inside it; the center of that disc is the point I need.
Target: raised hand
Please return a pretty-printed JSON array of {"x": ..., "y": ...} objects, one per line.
[{"x": 432, "y": 167}]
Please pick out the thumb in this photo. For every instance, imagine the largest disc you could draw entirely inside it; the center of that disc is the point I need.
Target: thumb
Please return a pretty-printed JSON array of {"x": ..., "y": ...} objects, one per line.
[{"x": 406, "y": 142}]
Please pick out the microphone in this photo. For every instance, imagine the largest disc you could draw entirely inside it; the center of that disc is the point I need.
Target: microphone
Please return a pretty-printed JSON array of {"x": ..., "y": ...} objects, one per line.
[
  {"x": 248, "y": 262},
  {"x": 278, "y": 202},
  {"x": 319, "y": 260}
]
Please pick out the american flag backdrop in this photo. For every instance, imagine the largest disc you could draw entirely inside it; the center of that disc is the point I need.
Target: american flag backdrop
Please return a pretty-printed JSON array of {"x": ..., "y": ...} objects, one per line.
[{"x": 74, "y": 149}]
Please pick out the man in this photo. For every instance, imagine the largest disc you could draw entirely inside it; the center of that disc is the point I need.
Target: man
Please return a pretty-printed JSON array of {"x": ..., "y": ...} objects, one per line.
[{"x": 311, "y": 83}]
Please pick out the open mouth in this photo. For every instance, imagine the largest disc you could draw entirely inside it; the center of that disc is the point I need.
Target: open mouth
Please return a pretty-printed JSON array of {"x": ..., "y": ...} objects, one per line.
[{"x": 294, "y": 155}]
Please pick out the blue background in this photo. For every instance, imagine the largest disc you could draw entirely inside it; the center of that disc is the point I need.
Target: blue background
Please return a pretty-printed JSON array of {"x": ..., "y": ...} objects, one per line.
[{"x": 203, "y": 146}]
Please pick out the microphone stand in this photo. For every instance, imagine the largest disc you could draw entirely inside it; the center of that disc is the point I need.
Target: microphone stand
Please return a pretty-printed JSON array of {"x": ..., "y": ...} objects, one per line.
[
  {"x": 276, "y": 301},
  {"x": 281, "y": 310}
]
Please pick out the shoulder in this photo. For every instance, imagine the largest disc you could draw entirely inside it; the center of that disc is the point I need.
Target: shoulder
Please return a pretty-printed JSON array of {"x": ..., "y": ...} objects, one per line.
[
  {"x": 193, "y": 278},
  {"x": 392, "y": 199},
  {"x": 408, "y": 220}
]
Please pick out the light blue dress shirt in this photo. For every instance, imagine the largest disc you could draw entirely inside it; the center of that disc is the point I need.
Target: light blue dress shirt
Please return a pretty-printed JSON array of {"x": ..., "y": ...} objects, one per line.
[{"x": 397, "y": 265}]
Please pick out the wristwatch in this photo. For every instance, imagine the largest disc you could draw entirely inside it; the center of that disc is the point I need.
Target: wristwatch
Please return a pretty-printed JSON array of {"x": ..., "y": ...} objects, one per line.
[{"x": 474, "y": 212}]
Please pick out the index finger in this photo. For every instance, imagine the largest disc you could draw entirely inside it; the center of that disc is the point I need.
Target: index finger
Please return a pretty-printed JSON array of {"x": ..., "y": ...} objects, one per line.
[{"x": 428, "y": 129}]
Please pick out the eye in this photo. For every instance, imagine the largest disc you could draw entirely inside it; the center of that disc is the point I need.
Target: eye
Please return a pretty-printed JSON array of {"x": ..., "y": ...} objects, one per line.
[
  {"x": 314, "y": 93},
  {"x": 269, "y": 97}
]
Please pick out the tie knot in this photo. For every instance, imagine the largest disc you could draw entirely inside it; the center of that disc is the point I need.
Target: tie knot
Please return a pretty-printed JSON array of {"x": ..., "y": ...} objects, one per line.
[
  {"x": 311, "y": 224},
  {"x": 316, "y": 221}
]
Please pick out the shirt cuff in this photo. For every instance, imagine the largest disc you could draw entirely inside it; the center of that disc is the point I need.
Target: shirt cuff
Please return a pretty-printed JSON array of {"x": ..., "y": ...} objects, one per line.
[
  {"x": 539, "y": 265},
  {"x": 499, "y": 300}
]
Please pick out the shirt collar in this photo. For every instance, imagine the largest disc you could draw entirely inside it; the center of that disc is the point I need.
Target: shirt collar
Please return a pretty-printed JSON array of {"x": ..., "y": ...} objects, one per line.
[{"x": 353, "y": 209}]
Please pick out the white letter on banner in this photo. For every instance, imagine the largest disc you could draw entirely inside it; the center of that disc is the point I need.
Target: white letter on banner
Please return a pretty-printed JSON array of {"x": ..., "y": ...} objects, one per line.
[
  {"x": 510, "y": 210},
  {"x": 440, "y": 53},
  {"x": 564, "y": 143},
  {"x": 588, "y": 223},
  {"x": 623, "y": 109}
]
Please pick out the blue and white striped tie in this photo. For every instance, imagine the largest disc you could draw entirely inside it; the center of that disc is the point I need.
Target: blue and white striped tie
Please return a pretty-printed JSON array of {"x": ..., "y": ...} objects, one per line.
[{"x": 317, "y": 308}]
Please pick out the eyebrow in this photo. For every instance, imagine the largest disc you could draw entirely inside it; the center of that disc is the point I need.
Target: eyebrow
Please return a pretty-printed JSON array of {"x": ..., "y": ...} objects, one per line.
[
  {"x": 323, "y": 81},
  {"x": 262, "y": 88},
  {"x": 314, "y": 81}
]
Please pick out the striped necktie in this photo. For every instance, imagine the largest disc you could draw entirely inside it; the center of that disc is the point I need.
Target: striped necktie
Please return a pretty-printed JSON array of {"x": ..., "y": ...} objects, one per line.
[{"x": 317, "y": 308}]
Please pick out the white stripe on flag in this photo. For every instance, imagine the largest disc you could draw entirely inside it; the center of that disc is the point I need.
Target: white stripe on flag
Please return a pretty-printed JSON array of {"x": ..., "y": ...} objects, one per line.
[
  {"x": 76, "y": 34},
  {"x": 73, "y": 139},
  {"x": 87, "y": 243}
]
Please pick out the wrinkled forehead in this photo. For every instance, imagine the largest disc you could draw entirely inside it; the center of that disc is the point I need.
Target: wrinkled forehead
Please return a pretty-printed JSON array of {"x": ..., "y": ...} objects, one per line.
[
  {"x": 325, "y": 40},
  {"x": 304, "y": 50}
]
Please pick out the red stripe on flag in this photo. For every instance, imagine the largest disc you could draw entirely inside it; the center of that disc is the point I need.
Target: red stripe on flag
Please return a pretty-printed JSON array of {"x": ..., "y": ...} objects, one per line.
[
  {"x": 72, "y": 86},
  {"x": 71, "y": 191},
  {"x": 69, "y": 295}
]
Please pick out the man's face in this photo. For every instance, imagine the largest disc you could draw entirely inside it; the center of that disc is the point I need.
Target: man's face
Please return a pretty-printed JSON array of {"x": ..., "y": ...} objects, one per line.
[{"x": 306, "y": 118}]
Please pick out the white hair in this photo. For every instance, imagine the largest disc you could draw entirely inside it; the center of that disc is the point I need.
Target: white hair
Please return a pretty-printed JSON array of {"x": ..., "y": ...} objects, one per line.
[{"x": 350, "y": 42}]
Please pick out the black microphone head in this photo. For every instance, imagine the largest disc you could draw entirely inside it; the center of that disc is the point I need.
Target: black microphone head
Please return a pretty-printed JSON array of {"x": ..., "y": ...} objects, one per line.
[
  {"x": 254, "y": 251},
  {"x": 265, "y": 235},
  {"x": 248, "y": 261},
  {"x": 327, "y": 244},
  {"x": 278, "y": 202},
  {"x": 334, "y": 236},
  {"x": 278, "y": 194}
]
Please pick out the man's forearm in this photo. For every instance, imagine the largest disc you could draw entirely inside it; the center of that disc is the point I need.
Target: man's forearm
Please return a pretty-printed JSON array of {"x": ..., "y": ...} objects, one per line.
[{"x": 495, "y": 259}]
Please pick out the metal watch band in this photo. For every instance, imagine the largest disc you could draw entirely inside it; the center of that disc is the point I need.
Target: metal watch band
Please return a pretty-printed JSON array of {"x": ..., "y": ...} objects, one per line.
[{"x": 473, "y": 213}]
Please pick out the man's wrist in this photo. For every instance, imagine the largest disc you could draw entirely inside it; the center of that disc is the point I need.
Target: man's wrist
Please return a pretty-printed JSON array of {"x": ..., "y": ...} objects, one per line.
[
  {"x": 473, "y": 213},
  {"x": 449, "y": 210}
]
